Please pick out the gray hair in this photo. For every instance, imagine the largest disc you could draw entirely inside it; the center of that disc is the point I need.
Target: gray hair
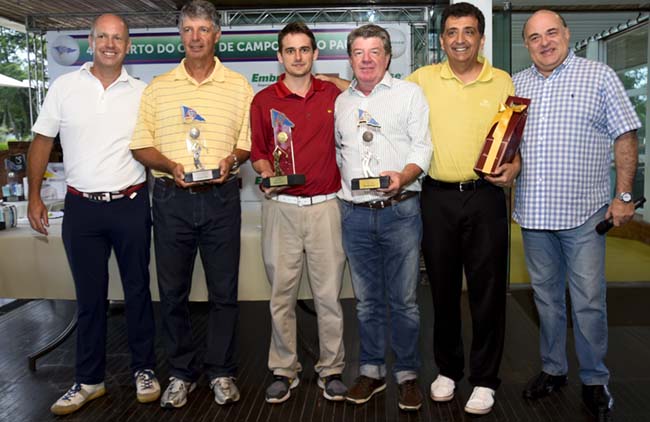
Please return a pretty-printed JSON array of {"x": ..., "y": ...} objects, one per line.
[
  {"x": 370, "y": 31},
  {"x": 200, "y": 9}
]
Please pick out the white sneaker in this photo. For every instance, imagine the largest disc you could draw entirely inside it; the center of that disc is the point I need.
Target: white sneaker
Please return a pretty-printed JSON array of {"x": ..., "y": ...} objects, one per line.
[
  {"x": 175, "y": 394},
  {"x": 77, "y": 396},
  {"x": 442, "y": 389},
  {"x": 225, "y": 390},
  {"x": 481, "y": 401},
  {"x": 146, "y": 385}
]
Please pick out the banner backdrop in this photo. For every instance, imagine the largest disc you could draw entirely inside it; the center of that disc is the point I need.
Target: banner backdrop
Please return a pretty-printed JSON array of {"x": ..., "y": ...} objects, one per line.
[{"x": 250, "y": 50}]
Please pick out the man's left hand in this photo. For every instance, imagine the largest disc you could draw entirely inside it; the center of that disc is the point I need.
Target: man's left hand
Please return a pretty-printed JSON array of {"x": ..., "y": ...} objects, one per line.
[
  {"x": 505, "y": 175},
  {"x": 396, "y": 182},
  {"x": 224, "y": 167},
  {"x": 620, "y": 212}
]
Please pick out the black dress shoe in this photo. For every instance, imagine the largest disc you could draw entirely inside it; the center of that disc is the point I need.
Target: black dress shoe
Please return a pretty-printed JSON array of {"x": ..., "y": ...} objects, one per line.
[
  {"x": 543, "y": 385},
  {"x": 598, "y": 400}
]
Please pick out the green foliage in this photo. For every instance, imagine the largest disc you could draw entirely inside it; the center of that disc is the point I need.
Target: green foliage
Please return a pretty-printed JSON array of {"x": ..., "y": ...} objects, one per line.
[{"x": 14, "y": 102}]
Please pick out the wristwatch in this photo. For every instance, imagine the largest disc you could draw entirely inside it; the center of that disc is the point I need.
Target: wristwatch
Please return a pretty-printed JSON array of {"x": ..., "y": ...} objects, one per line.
[
  {"x": 625, "y": 197},
  {"x": 235, "y": 162}
]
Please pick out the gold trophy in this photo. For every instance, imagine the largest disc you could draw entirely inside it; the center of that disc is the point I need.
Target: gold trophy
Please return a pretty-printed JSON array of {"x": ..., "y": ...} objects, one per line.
[{"x": 284, "y": 166}]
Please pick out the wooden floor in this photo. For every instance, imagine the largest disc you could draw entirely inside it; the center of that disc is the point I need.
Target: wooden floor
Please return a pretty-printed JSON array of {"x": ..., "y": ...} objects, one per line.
[{"x": 26, "y": 396}]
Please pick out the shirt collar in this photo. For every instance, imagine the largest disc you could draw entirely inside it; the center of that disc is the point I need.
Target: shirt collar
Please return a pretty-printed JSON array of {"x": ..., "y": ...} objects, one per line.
[
  {"x": 217, "y": 75},
  {"x": 124, "y": 75},
  {"x": 386, "y": 81},
  {"x": 283, "y": 92},
  {"x": 484, "y": 76},
  {"x": 567, "y": 61}
]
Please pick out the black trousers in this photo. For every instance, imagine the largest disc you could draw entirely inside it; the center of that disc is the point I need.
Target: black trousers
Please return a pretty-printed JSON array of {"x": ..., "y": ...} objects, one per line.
[
  {"x": 467, "y": 230},
  {"x": 90, "y": 230},
  {"x": 208, "y": 222}
]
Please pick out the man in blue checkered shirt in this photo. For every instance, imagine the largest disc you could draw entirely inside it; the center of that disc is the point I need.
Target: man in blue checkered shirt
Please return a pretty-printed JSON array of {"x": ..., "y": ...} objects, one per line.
[{"x": 579, "y": 110}]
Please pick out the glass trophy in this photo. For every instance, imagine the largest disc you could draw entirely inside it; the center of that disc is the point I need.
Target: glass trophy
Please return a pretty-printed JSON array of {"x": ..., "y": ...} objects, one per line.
[
  {"x": 369, "y": 129},
  {"x": 196, "y": 144},
  {"x": 284, "y": 166}
]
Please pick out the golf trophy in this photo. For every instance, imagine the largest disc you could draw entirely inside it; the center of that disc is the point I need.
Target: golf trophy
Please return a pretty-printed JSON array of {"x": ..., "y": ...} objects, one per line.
[
  {"x": 369, "y": 161},
  {"x": 284, "y": 166},
  {"x": 196, "y": 144}
]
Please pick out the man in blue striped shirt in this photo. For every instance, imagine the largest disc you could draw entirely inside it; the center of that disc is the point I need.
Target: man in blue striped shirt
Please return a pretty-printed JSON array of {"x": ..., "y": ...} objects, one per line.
[{"x": 579, "y": 111}]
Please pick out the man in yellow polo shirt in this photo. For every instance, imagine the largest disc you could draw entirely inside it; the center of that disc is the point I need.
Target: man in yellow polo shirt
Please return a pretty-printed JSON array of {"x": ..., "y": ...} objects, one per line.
[
  {"x": 465, "y": 220},
  {"x": 196, "y": 118}
]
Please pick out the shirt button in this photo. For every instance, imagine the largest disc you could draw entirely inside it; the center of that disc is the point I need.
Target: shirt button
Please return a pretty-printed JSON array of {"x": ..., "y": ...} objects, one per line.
[{"x": 540, "y": 180}]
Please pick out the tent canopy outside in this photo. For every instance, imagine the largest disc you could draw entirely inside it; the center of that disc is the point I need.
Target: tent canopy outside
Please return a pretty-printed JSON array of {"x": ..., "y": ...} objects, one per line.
[{"x": 12, "y": 83}]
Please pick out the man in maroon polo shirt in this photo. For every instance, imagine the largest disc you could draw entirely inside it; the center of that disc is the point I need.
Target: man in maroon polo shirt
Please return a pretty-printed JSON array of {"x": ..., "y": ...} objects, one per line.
[{"x": 292, "y": 122}]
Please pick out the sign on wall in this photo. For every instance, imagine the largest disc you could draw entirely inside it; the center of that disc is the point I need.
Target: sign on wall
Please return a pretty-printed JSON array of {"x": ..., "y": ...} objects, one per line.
[{"x": 250, "y": 51}]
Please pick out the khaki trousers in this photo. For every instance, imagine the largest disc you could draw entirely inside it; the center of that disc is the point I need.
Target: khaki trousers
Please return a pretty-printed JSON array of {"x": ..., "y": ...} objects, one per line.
[{"x": 289, "y": 235}]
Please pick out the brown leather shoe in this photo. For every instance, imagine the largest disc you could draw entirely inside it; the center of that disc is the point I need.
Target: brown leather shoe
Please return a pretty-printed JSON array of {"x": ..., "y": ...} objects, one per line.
[
  {"x": 364, "y": 388},
  {"x": 410, "y": 396}
]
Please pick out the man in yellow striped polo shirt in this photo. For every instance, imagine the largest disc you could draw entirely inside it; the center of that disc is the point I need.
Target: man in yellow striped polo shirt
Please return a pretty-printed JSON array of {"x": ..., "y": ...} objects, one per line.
[{"x": 196, "y": 117}]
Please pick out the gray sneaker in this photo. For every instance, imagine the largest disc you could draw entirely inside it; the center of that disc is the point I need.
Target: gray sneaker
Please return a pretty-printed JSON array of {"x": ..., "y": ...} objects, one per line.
[
  {"x": 333, "y": 387},
  {"x": 146, "y": 386},
  {"x": 280, "y": 389},
  {"x": 225, "y": 390},
  {"x": 175, "y": 395}
]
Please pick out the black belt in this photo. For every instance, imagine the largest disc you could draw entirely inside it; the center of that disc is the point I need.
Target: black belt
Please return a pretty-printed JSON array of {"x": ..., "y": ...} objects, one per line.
[
  {"x": 107, "y": 196},
  {"x": 389, "y": 202},
  {"x": 470, "y": 185},
  {"x": 203, "y": 187}
]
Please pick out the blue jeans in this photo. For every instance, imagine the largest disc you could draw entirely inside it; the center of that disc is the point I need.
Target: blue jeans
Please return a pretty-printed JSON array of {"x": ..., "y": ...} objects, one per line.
[
  {"x": 208, "y": 222},
  {"x": 576, "y": 255},
  {"x": 383, "y": 249}
]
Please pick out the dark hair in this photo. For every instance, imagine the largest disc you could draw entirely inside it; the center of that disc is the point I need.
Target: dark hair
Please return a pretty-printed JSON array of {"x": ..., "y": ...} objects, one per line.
[
  {"x": 296, "y": 28},
  {"x": 460, "y": 10},
  {"x": 523, "y": 28},
  {"x": 370, "y": 31},
  {"x": 200, "y": 9},
  {"x": 94, "y": 24}
]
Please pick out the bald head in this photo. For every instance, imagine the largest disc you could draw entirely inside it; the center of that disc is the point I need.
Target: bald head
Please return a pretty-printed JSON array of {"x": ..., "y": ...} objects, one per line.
[
  {"x": 109, "y": 41},
  {"x": 110, "y": 18},
  {"x": 546, "y": 36},
  {"x": 542, "y": 11}
]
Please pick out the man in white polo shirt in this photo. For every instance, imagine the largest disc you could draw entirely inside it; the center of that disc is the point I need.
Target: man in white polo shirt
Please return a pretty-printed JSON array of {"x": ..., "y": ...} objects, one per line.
[{"x": 94, "y": 110}]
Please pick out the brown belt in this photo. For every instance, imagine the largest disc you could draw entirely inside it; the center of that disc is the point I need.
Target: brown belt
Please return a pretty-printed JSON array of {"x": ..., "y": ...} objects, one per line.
[
  {"x": 389, "y": 202},
  {"x": 107, "y": 196}
]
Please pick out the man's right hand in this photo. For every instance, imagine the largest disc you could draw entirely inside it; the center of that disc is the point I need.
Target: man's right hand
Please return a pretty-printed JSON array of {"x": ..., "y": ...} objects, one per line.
[
  {"x": 273, "y": 190},
  {"x": 178, "y": 171},
  {"x": 37, "y": 214}
]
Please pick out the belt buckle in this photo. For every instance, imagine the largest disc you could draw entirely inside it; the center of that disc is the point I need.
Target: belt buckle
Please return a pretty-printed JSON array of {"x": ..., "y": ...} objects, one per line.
[
  {"x": 304, "y": 201},
  {"x": 379, "y": 204},
  {"x": 460, "y": 187},
  {"x": 98, "y": 196}
]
